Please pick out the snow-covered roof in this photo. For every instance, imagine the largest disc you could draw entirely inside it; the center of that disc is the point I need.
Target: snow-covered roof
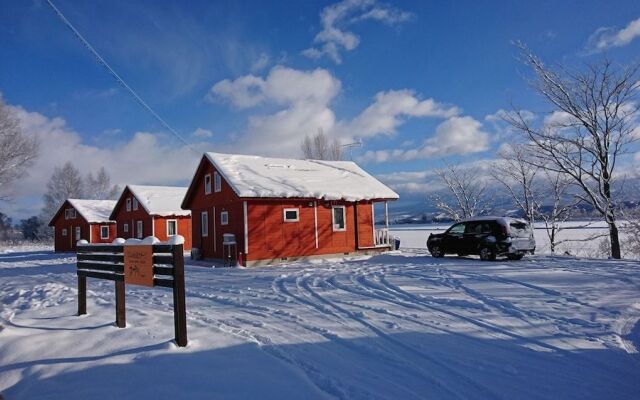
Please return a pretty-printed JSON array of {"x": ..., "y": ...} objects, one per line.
[
  {"x": 254, "y": 176},
  {"x": 160, "y": 200},
  {"x": 94, "y": 211}
]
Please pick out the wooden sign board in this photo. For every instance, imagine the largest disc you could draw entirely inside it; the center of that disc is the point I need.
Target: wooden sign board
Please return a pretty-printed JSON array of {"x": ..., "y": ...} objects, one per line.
[{"x": 138, "y": 265}]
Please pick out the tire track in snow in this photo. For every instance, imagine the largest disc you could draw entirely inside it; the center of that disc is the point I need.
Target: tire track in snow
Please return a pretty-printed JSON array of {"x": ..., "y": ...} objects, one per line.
[{"x": 441, "y": 382}]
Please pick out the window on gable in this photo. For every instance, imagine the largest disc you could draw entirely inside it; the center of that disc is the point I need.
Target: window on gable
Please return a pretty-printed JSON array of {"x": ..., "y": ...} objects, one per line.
[
  {"x": 204, "y": 224},
  {"x": 104, "y": 232},
  {"x": 139, "y": 231},
  {"x": 218, "y": 181},
  {"x": 207, "y": 184},
  {"x": 224, "y": 218},
  {"x": 129, "y": 204},
  {"x": 172, "y": 227},
  {"x": 338, "y": 218},
  {"x": 291, "y": 215},
  {"x": 66, "y": 214},
  {"x": 135, "y": 203},
  {"x": 72, "y": 213}
]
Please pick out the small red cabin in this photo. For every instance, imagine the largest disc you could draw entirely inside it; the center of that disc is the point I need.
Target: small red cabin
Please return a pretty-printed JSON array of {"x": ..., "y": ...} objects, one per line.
[
  {"x": 83, "y": 219},
  {"x": 143, "y": 211},
  {"x": 285, "y": 209}
]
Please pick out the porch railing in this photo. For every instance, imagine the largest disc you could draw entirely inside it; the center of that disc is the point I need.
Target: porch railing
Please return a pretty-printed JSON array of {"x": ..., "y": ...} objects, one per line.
[{"x": 383, "y": 238}]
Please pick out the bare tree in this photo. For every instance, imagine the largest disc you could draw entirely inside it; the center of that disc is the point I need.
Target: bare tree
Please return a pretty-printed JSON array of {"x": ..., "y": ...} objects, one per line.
[
  {"x": 595, "y": 112},
  {"x": 467, "y": 192},
  {"x": 631, "y": 228},
  {"x": 518, "y": 176},
  {"x": 17, "y": 151},
  {"x": 100, "y": 187},
  {"x": 321, "y": 147},
  {"x": 560, "y": 209},
  {"x": 65, "y": 183}
]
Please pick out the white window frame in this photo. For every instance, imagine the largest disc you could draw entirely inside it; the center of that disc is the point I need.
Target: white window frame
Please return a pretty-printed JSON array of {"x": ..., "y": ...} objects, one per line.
[
  {"x": 174, "y": 221},
  {"x": 70, "y": 213},
  {"x": 204, "y": 224},
  {"x": 224, "y": 218},
  {"x": 284, "y": 214},
  {"x": 139, "y": 229},
  {"x": 125, "y": 227},
  {"x": 73, "y": 213},
  {"x": 64, "y": 232},
  {"x": 78, "y": 233},
  {"x": 102, "y": 227},
  {"x": 344, "y": 219},
  {"x": 217, "y": 182},
  {"x": 207, "y": 184},
  {"x": 135, "y": 204},
  {"x": 128, "y": 203},
  {"x": 66, "y": 213}
]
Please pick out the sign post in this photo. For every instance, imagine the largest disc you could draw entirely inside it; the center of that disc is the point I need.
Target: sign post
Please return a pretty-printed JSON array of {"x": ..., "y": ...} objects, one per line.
[{"x": 136, "y": 264}]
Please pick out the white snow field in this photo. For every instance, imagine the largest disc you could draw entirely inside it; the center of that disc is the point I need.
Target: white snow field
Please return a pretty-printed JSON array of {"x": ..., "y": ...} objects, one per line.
[{"x": 395, "y": 326}]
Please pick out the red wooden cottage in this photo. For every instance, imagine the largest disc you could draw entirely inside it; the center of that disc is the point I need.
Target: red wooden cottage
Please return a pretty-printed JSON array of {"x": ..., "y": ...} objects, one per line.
[
  {"x": 143, "y": 211},
  {"x": 83, "y": 219},
  {"x": 284, "y": 209}
]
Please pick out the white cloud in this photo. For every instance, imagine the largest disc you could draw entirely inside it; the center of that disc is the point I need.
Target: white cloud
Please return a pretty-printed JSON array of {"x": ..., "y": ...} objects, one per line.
[
  {"x": 146, "y": 158},
  {"x": 426, "y": 182},
  {"x": 455, "y": 136},
  {"x": 606, "y": 38},
  {"x": 202, "y": 133},
  {"x": 261, "y": 62},
  {"x": 246, "y": 91},
  {"x": 388, "y": 109},
  {"x": 305, "y": 98},
  {"x": 282, "y": 86},
  {"x": 336, "y": 18}
]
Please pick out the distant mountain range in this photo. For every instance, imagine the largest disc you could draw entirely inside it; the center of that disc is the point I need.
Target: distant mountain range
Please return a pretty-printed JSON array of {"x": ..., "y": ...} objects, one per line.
[{"x": 416, "y": 211}]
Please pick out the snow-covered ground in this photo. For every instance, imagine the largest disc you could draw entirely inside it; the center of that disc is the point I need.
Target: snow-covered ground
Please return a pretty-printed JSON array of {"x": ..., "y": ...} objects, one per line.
[
  {"x": 577, "y": 238},
  {"x": 395, "y": 326}
]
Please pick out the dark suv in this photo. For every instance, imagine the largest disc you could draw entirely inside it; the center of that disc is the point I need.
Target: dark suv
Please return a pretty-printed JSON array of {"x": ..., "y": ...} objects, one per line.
[{"x": 487, "y": 237}]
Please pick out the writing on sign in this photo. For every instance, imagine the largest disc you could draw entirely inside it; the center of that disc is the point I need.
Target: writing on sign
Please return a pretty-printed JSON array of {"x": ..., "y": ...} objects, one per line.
[{"x": 138, "y": 265}]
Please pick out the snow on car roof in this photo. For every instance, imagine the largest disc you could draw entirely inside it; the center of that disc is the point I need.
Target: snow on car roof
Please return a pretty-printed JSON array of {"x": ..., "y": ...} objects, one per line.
[
  {"x": 160, "y": 200},
  {"x": 490, "y": 218},
  {"x": 94, "y": 211},
  {"x": 265, "y": 177}
]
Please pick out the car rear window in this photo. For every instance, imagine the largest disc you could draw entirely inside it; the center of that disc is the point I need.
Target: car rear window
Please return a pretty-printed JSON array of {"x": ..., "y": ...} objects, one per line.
[{"x": 519, "y": 225}]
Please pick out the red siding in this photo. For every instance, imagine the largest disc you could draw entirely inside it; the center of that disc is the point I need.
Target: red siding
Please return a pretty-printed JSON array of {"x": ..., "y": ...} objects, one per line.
[
  {"x": 226, "y": 200},
  {"x": 131, "y": 218},
  {"x": 88, "y": 232},
  {"x": 184, "y": 229},
  {"x": 95, "y": 233}
]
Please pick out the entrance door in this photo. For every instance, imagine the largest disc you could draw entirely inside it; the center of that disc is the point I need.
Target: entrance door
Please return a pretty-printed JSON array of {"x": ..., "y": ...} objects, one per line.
[{"x": 453, "y": 239}]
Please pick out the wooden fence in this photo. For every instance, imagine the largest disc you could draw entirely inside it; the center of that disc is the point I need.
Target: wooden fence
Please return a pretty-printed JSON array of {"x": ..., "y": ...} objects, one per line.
[{"x": 107, "y": 262}]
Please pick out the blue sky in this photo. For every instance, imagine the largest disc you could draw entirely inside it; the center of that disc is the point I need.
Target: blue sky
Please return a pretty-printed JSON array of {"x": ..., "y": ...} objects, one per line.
[{"x": 417, "y": 82}]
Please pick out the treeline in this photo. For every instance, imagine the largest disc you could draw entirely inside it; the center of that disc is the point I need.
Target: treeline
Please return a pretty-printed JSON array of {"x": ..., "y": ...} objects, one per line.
[{"x": 66, "y": 182}]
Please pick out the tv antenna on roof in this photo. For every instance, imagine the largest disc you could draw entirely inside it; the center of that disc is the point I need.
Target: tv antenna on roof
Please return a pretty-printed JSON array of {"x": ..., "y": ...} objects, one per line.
[{"x": 350, "y": 146}]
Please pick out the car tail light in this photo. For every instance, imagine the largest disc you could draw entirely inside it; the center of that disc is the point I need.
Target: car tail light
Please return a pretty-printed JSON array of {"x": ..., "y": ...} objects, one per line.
[{"x": 503, "y": 228}]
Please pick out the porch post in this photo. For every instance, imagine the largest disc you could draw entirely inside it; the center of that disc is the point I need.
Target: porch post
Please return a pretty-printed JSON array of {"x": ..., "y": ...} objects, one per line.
[
  {"x": 386, "y": 221},
  {"x": 386, "y": 214}
]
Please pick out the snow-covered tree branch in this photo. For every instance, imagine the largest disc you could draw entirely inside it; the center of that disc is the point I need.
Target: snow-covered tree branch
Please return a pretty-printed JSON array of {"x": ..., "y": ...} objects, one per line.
[
  {"x": 17, "y": 151},
  {"x": 466, "y": 190},
  {"x": 593, "y": 120}
]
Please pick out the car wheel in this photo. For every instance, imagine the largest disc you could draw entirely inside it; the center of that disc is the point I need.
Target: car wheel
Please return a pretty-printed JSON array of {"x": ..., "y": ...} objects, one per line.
[
  {"x": 487, "y": 254},
  {"x": 437, "y": 252},
  {"x": 515, "y": 256}
]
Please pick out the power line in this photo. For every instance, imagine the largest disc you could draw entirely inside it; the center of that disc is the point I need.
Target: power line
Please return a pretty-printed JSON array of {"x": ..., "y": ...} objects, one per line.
[{"x": 114, "y": 74}]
